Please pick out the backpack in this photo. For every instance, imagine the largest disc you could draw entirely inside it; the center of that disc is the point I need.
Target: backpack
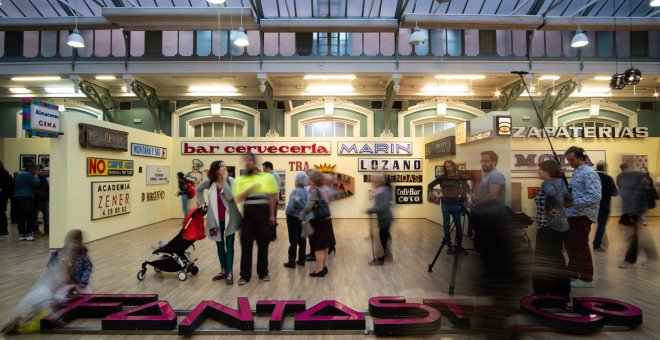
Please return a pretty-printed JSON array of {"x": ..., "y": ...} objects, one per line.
[{"x": 191, "y": 190}]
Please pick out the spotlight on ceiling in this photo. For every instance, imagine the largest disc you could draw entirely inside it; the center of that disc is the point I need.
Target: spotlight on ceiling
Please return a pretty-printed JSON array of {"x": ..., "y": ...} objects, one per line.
[
  {"x": 75, "y": 39},
  {"x": 240, "y": 38},
  {"x": 616, "y": 82},
  {"x": 632, "y": 76},
  {"x": 417, "y": 37},
  {"x": 579, "y": 39}
]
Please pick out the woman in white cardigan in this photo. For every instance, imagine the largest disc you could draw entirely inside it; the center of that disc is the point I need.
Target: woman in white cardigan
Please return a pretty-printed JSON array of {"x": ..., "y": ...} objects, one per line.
[{"x": 223, "y": 218}]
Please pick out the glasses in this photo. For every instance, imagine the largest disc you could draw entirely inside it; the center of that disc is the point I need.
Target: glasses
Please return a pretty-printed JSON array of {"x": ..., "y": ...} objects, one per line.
[{"x": 487, "y": 161}]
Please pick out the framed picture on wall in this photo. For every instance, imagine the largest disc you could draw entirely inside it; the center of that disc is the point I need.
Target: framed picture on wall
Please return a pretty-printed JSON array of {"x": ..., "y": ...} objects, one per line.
[
  {"x": 438, "y": 170},
  {"x": 461, "y": 166},
  {"x": 45, "y": 161},
  {"x": 25, "y": 159}
]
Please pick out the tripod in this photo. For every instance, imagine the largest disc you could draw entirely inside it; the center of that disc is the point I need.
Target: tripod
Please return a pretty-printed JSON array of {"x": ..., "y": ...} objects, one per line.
[{"x": 458, "y": 248}]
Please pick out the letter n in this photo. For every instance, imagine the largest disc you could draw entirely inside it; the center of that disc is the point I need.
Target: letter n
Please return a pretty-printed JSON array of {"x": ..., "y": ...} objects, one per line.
[
  {"x": 424, "y": 319},
  {"x": 240, "y": 319},
  {"x": 157, "y": 315},
  {"x": 277, "y": 309},
  {"x": 570, "y": 324},
  {"x": 454, "y": 310},
  {"x": 329, "y": 314}
]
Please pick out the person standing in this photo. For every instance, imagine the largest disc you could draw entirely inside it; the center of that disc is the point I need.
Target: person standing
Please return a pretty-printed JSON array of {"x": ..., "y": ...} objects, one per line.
[
  {"x": 586, "y": 192},
  {"x": 550, "y": 276},
  {"x": 25, "y": 185},
  {"x": 223, "y": 218},
  {"x": 297, "y": 202},
  {"x": 42, "y": 197},
  {"x": 651, "y": 193},
  {"x": 268, "y": 168},
  {"x": 633, "y": 186},
  {"x": 608, "y": 190},
  {"x": 184, "y": 191},
  {"x": 5, "y": 190},
  {"x": 323, "y": 236},
  {"x": 453, "y": 192},
  {"x": 383, "y": 209},
  {"x": 258, "y": 191}
]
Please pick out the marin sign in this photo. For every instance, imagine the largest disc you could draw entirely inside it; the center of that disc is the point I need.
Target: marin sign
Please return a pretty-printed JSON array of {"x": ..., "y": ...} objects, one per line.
[
  {"x": 148, "y": 151},
  {"x": 110, "y": 199},
  {"x": 439, "y": 148},
  {"x": 96, "y": 137},
  {"x": 408, "y": 194},
  {"x": 374, "y": 148},
  {"x": 109, "y": 167}
]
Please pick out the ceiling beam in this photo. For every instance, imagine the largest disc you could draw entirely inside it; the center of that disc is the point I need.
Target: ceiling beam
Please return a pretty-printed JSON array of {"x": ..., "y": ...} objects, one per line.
[
  {"x": 55, "y": 23},
  {"x": 329, "y": 25},
  {"x": 172, "y": 19}
]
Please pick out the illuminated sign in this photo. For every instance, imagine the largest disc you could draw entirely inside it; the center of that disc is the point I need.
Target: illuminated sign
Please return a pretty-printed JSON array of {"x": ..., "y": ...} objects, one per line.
[
  {"x": 374, "y": 148},
  {"x": 109, "y": 167},
  {"x": 265, "y": 148},
  {"x": 580, "y": 132}
]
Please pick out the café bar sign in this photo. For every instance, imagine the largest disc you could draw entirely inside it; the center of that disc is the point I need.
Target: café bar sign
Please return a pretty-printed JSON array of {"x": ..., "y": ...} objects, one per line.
[
  {"x": 374, "y": 148},
  {"x": 442, "y": 147},
  {"x": 391, "y": 315},
  {"x": 260, "y": 148},
  {"x": 96, "y": 137}
]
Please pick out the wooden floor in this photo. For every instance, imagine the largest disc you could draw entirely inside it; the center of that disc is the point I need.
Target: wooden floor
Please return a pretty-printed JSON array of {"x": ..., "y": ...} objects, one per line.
[{"x": 351, "y": 281}]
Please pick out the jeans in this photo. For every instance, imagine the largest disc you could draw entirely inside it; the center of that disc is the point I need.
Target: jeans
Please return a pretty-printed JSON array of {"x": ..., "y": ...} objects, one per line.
[
  {"x": 43, "y": 207},
  {"x": 453, "y": 210},
  {"x": 603, "y": 214},
  {"x": 297, "y": 243},
  {"x": 225, "y": 250},
  {"x": 185, "y": 204}
]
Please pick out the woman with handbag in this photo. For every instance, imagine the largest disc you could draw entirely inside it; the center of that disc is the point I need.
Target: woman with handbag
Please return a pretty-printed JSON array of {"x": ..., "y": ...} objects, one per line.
[
  {"x": 550, "y": 274},
  {"x": 223, "y": 218},
  {"x": 323, "y": 236}
]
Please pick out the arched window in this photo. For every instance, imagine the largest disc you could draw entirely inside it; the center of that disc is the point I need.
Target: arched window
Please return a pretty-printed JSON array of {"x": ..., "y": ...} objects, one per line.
[
  {"x": 593, "y": 123},
  {"x": 216, "y": 127},
  {"x": 430, "y": 127},
  {"x": 329, "y": 128}
]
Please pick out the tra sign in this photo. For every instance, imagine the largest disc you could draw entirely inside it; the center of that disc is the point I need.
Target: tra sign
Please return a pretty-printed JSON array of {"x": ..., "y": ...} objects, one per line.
[
  {"x": 525, "y": 163},
  {"x": 392, "y": 315}
]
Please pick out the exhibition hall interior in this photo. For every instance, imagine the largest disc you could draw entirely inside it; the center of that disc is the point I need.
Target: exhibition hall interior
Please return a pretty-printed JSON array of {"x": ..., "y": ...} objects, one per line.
[{"x": 330, "y": 169}]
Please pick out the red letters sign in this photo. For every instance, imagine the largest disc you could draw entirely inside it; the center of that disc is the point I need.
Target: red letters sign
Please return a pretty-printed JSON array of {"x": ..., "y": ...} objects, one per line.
[{"x": 265, "y": 148}]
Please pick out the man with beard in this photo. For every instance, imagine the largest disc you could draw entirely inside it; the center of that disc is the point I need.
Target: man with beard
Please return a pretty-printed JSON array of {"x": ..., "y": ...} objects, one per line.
[{"x": 257, "y": 190}]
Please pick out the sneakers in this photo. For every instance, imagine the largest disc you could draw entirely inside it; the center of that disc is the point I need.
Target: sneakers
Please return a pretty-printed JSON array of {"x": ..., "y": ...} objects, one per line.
[
  {"x": 29, "y": 237},
  {"x": 650, "y": 263},
  {"x": 265, "y": 278},
  {"x": 230, "y": 279},
  {"x": 242, "y": 281},
  {"x": 21, "y": 237},
  {"x": 582, "y": 284},
  {"x": 626, "y": 264}
]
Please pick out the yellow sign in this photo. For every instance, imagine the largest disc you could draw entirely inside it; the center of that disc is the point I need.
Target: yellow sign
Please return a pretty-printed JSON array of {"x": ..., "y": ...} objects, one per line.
[
  {"x": 460, "y": 130},
  {"x": 109, "y": 167}
]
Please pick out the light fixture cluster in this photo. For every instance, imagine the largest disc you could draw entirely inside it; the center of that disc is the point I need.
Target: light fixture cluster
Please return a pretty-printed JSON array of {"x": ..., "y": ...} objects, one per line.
[{"x": 631, "y": 76}]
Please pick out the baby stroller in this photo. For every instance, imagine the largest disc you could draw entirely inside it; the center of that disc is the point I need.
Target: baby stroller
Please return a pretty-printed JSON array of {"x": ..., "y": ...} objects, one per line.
[{"x": 173, "y": 256}]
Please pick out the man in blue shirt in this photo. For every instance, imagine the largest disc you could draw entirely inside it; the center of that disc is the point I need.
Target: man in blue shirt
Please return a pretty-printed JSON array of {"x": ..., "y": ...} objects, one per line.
[
  {"x": 586, "y": 192},
  {"x": 24, "y": 186}
]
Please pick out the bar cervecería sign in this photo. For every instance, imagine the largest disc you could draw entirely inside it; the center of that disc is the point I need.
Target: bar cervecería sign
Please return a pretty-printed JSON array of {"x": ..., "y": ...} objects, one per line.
[
  {"x": 96, "y": 137},
  {"x": 263, "y": 148}
]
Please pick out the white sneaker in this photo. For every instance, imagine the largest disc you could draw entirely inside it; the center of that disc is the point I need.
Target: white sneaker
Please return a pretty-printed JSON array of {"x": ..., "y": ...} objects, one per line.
[
  {"x": 21, "y": 237},
  {"x": 582, "y": 284},
  {"x": 626, "y": 264},
  {"x": 650, "y": 263},
  {"x": 29, "y": 237}
]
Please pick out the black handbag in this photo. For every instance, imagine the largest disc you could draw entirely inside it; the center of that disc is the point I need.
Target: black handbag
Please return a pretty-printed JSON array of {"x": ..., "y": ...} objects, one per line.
[
  {"x": 321, "y": 209},
  {"x": 628, "y": 219}
]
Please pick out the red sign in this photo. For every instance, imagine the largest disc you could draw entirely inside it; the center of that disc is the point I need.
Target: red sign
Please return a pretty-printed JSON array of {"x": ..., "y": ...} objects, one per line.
[{"x": 264, "y": 148}]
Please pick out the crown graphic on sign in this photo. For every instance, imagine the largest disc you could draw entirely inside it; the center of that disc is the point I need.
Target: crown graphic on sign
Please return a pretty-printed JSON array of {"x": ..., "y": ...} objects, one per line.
[{"x": 325, "y": 167}]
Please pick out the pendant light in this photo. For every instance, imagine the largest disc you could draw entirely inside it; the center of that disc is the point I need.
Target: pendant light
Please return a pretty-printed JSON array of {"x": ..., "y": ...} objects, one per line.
[
  {"x": 416, "y": 38},
  {"x": 579, "y": 39},
  {"x": 240, "y": 38},
  {"x": 75, "y": 39}
]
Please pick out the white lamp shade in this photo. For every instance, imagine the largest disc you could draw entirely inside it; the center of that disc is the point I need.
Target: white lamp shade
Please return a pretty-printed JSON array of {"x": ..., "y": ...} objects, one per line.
[
  {"x": 579, "y": 40},
  {"x": 216, "y": 1},
  {"x": 240, "y": 38},
  {"x": 416, "y": 38},
  {"x": 75, "y": 39},
  {"x": 654, "y": 3}
]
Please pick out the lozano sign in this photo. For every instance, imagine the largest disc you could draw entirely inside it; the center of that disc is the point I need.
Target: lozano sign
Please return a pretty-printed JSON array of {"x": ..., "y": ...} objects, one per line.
[{"x": 392, "y": 315}]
